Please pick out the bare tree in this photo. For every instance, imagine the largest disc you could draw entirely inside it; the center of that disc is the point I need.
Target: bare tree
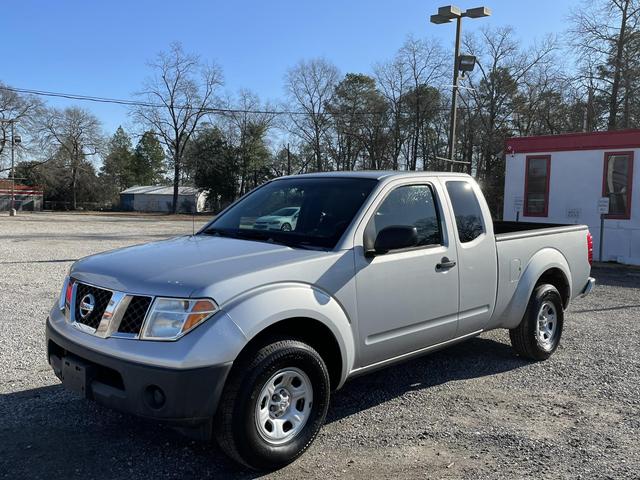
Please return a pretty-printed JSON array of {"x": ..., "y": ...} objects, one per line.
[
  {"x": 310, "y": 86},
  {"x": 247, "y": 117},
  {"x": 490, "y": 94},
  {"x": 393, "y": 81},
  {"x": 74, "y": 135},
  {"x": 176, "y": 98},
  {"x": 23, "y": 111},
  {"x": 601, "y": 33},
  {"x": 424, "y": 62}
]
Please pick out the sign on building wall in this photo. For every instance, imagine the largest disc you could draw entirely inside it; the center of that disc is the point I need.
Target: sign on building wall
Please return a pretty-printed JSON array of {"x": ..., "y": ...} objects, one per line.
[{"x": 603, "y": 205}]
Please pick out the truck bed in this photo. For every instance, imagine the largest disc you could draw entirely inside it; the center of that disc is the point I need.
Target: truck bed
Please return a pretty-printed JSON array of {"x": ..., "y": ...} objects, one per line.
[
  {"x": 539, "y": 247},
  {"x": 513, "y": 230}
]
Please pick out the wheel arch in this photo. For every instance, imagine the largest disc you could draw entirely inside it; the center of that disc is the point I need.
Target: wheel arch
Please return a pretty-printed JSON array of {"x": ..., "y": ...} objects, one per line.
[
  {"x": 297, "y": 311},
  {"x": 548, "y": 265},
  {"x": 308, "y": 330}
]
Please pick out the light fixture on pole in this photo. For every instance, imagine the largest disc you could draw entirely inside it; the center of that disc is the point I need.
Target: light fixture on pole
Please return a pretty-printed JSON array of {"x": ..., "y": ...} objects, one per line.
[{"x": 461, "y": 63}]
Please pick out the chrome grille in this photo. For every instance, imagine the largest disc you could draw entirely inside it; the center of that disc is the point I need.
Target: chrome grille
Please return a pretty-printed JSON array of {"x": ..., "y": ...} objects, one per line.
[
  {"x": 134, "y": 316},
  {"x": 101, "y": 298}
]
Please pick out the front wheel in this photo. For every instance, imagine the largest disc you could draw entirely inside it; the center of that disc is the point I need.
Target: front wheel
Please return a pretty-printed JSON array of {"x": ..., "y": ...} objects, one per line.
[
  {"x": 539, "y": 332},
  {"x": 273, "y": 405},
  {"x": 286, "y": 227}
]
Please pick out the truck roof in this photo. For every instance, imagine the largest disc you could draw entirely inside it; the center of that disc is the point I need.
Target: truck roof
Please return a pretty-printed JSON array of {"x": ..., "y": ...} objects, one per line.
[{"x": 381, "y": 174}]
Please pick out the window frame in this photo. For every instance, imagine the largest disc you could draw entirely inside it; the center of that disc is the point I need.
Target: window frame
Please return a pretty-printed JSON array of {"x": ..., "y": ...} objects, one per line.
[
  {"x": 607, "y": 156},
  {"x": 437, "y": 206},
  {"x": 526, "y": 212}
]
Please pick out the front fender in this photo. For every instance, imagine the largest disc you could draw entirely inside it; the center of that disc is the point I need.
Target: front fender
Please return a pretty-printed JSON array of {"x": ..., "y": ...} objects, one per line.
[
  {"x": 260, "y": 308},
  {"x": 540, "y": 262}
]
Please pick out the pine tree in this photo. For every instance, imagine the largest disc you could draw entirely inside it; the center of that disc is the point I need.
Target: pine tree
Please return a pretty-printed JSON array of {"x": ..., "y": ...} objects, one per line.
[
  {"x": 148, "y": 165},
  {"x": 119, "y": 160}
]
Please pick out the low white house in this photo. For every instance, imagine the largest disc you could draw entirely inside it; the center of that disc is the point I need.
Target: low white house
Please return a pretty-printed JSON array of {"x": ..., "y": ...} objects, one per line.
[
  {"x": 563, "y": 178},
  {"x": 160, "y": 199}
]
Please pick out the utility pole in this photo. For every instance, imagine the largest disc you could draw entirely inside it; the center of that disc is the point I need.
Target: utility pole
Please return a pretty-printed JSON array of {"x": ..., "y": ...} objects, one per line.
[
  {"x": 288, "y": 160},
  {"x": 15, "y": 139},
  {"x": 12, "y": 209}
]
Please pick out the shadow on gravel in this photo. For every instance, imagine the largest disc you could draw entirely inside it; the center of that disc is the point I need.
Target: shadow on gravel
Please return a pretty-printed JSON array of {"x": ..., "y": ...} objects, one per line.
[
  {"x": 473, "y": 358},
  {"x": 606, "y": 309},
  {"x": 91, "y": 237},
  {"x": 50, "y": 433},
  {"x": 64, "y": 260},
  {"x": 616, "y": 276}
]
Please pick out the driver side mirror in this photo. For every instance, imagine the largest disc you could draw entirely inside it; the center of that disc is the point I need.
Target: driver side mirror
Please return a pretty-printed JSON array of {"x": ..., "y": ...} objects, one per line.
[{"x": 394, "y": 238}]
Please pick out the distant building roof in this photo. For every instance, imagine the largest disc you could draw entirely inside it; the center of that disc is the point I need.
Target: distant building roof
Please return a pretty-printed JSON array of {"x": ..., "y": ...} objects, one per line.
[
  {"x": 18, "y": 188},
  {"x": 159, "y": 190}
]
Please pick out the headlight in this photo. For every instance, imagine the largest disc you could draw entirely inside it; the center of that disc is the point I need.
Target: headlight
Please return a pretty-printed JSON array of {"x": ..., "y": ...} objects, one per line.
[
  {"x": 65, "y": 294},
  {"x": 170, "y": 318}
]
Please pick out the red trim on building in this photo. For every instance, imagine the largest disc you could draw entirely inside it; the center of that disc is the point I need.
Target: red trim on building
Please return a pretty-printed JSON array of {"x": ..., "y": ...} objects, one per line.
[
  {"x": 627, "y": 214},
  {"x": 526, "y": 212},
  {"x": 574, "y": 141}
]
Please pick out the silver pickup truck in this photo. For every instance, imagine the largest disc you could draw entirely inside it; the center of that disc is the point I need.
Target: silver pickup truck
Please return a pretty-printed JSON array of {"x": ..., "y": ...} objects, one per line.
[{"x": 242, "y": 331}]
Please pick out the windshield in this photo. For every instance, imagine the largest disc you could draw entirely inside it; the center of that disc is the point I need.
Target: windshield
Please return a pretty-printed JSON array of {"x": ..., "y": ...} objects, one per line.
[{"x": 303, "y": 212}]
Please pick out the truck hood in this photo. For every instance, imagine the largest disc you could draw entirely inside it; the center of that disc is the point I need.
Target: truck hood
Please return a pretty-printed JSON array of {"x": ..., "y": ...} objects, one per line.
[{"x": 198, "y": 265}]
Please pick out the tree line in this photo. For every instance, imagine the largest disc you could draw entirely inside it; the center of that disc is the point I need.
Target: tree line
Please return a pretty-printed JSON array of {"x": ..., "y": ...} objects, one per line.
[{"x": 188, "y": 132}]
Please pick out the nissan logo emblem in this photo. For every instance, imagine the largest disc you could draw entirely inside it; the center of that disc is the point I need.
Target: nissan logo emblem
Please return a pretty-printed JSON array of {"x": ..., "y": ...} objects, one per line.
[{"x": 87, "y": 304}]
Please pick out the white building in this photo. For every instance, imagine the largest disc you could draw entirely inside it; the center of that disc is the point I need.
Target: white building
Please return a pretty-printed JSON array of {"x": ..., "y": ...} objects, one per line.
[
  {"x": 561, "y": 179},
  {"x": 160, "y": 199}
]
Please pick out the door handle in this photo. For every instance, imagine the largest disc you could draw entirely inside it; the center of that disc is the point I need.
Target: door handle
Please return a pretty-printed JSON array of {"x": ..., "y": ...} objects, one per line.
[{"x": 445, "y": 264}]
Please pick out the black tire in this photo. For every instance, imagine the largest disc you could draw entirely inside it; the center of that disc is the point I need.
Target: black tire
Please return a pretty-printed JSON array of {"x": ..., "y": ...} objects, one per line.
[
  {"x": 525, "y": 339},
  {"x": 235, "y": 426},
  {"x": 286, "y": 227}
]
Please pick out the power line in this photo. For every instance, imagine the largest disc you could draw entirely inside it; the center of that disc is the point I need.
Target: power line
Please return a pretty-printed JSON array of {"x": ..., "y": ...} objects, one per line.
[{"x": 212, "y": 110}]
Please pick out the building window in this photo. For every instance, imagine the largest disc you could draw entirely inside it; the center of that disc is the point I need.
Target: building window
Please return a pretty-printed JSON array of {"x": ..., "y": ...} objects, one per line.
[
  {"x": 617, "y": 181},
  {"x": 536, "y": 186}
]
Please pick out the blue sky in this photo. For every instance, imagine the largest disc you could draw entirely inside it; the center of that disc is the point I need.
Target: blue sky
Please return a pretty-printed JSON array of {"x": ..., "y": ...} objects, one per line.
[{"x": 100, "y": 48}]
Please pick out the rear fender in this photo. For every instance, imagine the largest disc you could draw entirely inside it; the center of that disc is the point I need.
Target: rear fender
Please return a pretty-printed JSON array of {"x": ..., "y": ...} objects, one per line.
[{"x": 540, "y": 262}]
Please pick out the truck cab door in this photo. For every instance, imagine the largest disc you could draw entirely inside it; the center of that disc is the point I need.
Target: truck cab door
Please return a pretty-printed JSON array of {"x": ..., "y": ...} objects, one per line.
[
  {"x": 478, "y": 265},
  {"x": 407, "y": 299}
]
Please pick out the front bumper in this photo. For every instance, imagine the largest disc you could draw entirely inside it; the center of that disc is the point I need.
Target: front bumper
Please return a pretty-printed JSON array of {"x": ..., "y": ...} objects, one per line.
[
  {"x": 591, "y": 282},
  {"x": 185, "y": 398}
]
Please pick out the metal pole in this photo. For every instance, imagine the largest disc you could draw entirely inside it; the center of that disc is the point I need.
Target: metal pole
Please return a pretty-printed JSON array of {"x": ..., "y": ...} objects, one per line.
[
  {"x": 601, "y": 237},
  {"x": 454, "y": 96},
  {"x": 13, "y": 173},
  {"x": 288, "y": 160}
]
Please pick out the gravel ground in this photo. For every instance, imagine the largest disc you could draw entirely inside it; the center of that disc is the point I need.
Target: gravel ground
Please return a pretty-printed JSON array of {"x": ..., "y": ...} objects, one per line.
[{"x": 472, "y": 411}]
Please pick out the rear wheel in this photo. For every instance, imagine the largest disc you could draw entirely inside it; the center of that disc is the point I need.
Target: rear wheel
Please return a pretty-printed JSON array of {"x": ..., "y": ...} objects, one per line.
[
  {"x": 540, "y": 330},
  {"x": 286, "y": 227},
  {"x": 273, "y": 405}
]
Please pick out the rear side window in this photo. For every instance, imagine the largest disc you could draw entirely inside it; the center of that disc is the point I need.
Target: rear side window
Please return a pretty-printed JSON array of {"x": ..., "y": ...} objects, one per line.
[
  {"x": 466, "y": 210},
  {"x": 410, "y": 205}
]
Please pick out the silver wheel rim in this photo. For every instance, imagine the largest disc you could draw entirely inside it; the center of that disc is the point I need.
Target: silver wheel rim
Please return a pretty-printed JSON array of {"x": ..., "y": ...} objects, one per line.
[
  {"x": 547, "y": 325},
  {"x": 286, "y": 227},
  {"x": 284, "y": 405}
]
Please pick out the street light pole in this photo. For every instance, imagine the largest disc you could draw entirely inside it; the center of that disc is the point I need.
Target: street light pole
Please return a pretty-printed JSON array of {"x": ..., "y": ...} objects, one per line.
[
  {"x": 454, "y": 96},
  {"x": 464, "y": 63}
]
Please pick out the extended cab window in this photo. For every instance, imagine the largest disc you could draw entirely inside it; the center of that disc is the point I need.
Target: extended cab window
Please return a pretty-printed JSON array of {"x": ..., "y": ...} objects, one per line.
[
  {"x": 466, "y": 210},
  {"x": 410, "y": 205}
]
